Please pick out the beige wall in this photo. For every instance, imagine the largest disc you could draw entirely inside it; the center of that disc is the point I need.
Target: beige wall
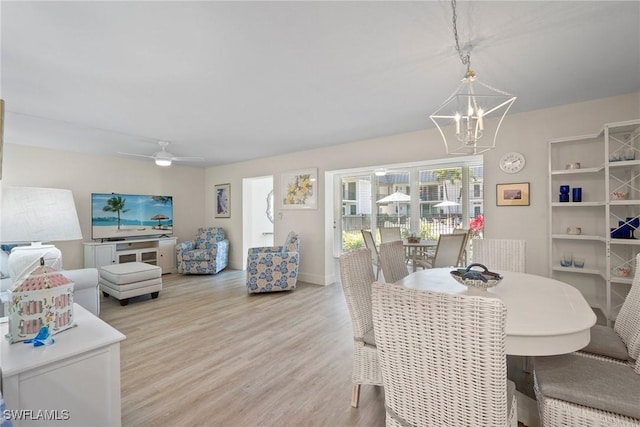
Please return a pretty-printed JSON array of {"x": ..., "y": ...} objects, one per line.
[
  {"x": 84, "y": 174},
  {"x": 193, "y": 188},
  {"x": 527, "y": 133}
]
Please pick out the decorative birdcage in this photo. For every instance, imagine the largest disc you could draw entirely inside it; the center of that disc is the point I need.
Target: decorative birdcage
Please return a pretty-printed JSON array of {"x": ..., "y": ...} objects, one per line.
[{"x": 44, "y": 297}]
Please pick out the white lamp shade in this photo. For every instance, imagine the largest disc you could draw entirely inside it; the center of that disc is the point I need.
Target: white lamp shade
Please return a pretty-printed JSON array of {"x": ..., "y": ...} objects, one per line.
[{"x": 31, "y": 214}]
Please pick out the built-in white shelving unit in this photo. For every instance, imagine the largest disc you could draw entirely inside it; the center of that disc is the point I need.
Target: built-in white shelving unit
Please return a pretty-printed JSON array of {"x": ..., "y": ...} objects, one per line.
[{"x": 609, "y": 176}]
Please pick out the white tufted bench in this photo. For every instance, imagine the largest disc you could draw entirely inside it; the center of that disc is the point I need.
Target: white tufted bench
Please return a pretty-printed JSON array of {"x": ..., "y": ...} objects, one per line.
[{"x": 130, "y": 279}]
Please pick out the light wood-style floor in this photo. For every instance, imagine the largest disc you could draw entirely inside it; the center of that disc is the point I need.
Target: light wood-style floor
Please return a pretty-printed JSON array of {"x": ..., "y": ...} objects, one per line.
[{"x": 205, "y": 353}]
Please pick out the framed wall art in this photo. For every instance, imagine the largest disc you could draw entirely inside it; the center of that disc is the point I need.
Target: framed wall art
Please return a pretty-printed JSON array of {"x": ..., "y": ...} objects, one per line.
[
  {"x": 223, "y": 201},
  {"x": 299, "y": 189},
  {"x": 512, "y": 194}
]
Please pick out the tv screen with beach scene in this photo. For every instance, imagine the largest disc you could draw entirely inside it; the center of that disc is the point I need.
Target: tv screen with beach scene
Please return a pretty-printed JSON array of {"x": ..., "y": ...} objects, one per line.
[{"x": 122, "y": 216}]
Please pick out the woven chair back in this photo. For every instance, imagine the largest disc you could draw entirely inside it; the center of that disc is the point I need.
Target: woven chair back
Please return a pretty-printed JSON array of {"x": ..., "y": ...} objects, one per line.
[
  {"x": 499, "y": 254},
  {"x": 357, "y": 276},
  {"x": 442, "y": 357},
  {"x": 627, "y": 323}
]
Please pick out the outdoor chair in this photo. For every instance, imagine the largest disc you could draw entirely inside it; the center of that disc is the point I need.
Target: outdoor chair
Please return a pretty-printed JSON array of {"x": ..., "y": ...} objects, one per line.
[
  {"x": 392, "y": 259},
  {"x": 356, "y": 276},
  {"x": 442, "y": 358},
  {"x": 389, "y": 234},
  {"x": 371, "y": 244},
  {"x": 448, "y": 252},
  {"x": 464, "y": 260}
]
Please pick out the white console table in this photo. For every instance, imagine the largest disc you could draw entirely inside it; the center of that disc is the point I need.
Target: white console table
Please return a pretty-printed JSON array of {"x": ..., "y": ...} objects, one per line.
[
  {"x": 160, "y": 251},
  {"x": 77, "y": 378}
]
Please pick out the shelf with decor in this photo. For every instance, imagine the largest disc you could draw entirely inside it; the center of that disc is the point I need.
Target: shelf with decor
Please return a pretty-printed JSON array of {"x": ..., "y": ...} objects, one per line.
[{"x": 600, "y": 227}]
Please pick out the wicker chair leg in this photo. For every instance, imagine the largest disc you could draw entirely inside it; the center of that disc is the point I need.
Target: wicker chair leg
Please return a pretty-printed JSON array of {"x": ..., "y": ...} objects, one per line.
[{"x": 355, "y": 395}]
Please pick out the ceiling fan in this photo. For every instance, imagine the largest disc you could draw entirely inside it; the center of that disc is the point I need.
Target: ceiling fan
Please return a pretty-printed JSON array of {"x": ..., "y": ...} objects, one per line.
[{"x": 163, "y": 157}]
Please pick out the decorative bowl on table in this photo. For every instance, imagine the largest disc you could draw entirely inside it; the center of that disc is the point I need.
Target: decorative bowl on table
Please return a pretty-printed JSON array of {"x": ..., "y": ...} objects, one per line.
[
  {"x": 476, "y": 276},
  {"x": 413, "y": 239}
]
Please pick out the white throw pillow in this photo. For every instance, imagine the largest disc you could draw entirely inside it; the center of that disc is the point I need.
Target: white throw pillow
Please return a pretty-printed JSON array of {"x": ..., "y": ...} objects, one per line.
[{"x": 4, "y": 264}]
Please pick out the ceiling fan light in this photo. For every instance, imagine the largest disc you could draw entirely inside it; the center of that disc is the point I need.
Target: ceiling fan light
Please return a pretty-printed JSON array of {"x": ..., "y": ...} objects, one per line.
[{"x": 163, "y": 162}]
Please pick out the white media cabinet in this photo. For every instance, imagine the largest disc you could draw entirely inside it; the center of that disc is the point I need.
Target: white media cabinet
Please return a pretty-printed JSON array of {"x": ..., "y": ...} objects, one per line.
[{"x": 160, "y": 251}]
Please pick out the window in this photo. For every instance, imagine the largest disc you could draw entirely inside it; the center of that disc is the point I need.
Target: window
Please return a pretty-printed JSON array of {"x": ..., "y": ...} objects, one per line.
[{"x": 447, "y": 194}]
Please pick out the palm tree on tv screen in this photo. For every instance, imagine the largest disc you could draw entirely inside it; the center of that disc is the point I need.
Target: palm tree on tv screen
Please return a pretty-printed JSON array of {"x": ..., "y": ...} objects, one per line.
[{"x": 116, "y": 204}]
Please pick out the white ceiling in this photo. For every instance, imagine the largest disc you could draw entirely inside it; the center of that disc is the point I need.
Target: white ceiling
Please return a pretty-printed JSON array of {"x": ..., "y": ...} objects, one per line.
[{"x": 232, "y": 81}]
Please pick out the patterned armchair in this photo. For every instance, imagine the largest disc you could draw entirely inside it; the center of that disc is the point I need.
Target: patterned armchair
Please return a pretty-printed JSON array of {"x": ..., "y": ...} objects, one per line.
[
  {"x": 274, "y": 268},
  {"x": 207, "y": 254}
]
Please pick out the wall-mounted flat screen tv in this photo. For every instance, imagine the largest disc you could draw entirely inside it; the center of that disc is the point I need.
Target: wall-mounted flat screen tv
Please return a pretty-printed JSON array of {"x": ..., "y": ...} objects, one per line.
[{"x": 121, "y": 216}]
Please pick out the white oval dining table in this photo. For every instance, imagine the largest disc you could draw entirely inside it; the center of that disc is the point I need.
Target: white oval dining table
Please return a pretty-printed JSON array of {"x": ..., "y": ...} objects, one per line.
[{"x": 544, "y": 316}]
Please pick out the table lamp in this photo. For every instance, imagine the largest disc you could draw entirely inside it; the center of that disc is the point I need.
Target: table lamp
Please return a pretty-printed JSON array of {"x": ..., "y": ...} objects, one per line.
[{"x": 35, "y": 215}]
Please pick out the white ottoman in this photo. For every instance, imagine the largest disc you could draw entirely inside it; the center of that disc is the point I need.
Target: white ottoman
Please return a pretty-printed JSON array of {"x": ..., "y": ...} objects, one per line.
[{"x": 130, "y": 279}]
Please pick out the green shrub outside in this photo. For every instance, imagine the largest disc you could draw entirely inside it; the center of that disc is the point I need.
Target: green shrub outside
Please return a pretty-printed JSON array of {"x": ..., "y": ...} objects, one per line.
[{"x": 352, "y": 240}]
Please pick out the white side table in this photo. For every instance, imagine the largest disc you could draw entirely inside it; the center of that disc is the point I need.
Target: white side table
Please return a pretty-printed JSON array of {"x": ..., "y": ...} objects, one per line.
[{"x": 75, "y": 382}]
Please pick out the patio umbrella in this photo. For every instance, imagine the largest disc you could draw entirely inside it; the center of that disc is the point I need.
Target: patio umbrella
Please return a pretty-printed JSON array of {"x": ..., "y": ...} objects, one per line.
[
  {"x": 447, "y": 204},
  {"x": 396, "y": 198},
  {"x": 159, "y": 217}
]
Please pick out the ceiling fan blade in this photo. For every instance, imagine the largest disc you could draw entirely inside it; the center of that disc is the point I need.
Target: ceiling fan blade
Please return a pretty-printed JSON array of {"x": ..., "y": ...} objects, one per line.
[
  {"x": 188, "y": 159},
  {"x": 136, "y": 155}
]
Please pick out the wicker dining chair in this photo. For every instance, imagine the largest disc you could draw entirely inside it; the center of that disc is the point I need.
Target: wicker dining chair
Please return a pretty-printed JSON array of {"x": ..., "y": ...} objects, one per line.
[
  {"x": 598, "y": 385},
  {"x": 443, "y": 358},
  {"x": 577, "y": 391},
  {"x": 392, "y": 259},
  {"x": 499, "y": 254},
  {"x": 620, "y": 343},
  {"x": 370, "y": 243},
  {"x": 356, "y": 276}
]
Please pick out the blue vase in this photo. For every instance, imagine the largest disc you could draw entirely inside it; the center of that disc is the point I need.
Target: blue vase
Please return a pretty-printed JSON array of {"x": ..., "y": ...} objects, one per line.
[
  {"x": 577, "y": 194},
  {"x": 633, "y": 223}
]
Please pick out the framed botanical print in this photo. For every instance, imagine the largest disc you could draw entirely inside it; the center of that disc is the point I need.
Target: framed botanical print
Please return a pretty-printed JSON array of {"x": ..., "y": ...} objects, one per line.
[
  {"x": 299, "y": 189},
  {"x": 223, "y": 201}
]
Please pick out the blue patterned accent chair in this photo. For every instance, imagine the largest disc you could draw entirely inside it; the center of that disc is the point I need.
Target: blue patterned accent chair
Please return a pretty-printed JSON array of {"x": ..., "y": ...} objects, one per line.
[
  {"x": 207, "y": 254},
  {"x": 274, "y": 268}
]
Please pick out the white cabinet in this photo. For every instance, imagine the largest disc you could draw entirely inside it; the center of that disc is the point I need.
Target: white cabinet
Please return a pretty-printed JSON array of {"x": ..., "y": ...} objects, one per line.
[
  {"x": 598, "y": 230},
  {"x": 76, "y": 381},
  {"x": 158, "y": 251},
  {"x": 97, "y": 256},
  {"x": 167, "y": 254}
]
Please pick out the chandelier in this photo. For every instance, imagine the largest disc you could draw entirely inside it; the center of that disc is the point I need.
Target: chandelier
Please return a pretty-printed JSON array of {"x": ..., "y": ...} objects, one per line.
[{"x": 462, "y": 118}]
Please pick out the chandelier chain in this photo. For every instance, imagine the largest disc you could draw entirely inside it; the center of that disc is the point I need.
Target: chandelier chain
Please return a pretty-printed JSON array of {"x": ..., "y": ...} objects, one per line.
[{"x": 465, "y": 58}]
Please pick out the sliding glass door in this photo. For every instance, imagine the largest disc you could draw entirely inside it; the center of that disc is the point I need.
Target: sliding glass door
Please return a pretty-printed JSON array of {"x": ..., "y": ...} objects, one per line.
[{"x": 425, "y": 200}]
